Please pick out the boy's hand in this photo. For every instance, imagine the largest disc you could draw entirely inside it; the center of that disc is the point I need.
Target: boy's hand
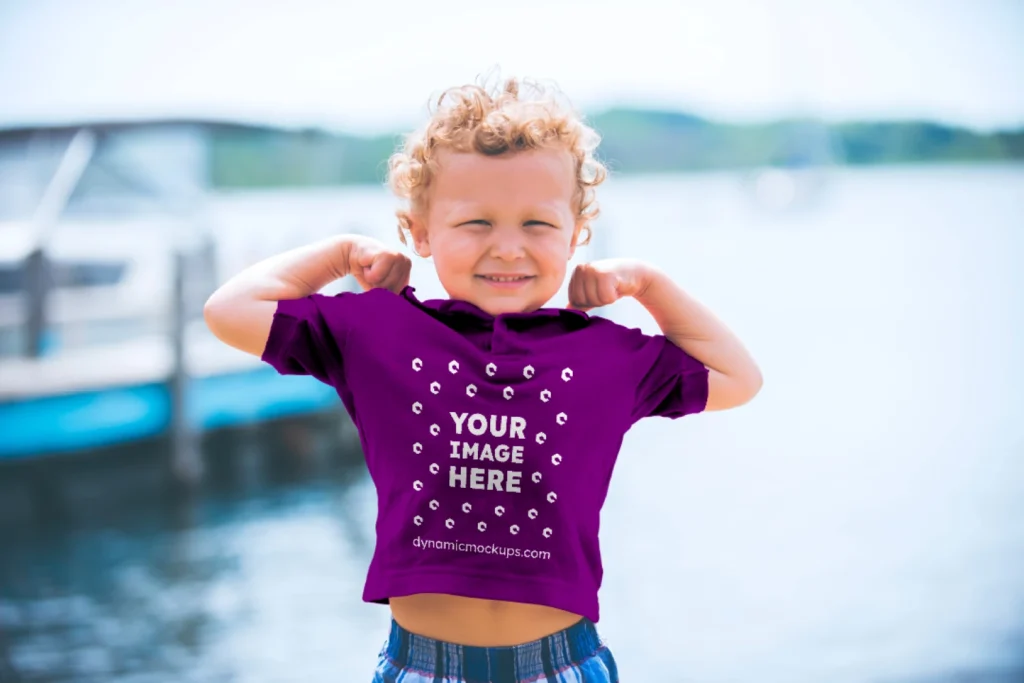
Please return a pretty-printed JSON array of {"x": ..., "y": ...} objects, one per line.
[
  {"x": 604, "y": 282},
  {"x": 374, "y": 265}
]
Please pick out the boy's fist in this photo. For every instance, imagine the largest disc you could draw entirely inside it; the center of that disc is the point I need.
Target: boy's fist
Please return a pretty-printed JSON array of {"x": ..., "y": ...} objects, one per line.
[
  {"x": 375, "y": 265},
  {"x": 604, "y": 282}
]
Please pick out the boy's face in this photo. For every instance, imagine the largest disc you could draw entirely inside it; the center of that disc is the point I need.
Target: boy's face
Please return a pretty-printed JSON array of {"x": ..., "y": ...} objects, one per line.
[{"x": 501, "y": 229}]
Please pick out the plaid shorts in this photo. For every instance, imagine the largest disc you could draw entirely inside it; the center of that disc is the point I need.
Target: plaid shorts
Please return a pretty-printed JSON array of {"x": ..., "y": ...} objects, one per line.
[{"x": 575, "y": 654}]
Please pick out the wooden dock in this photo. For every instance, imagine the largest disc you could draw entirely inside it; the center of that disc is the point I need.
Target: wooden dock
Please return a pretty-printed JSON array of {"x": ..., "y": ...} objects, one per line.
[{"x": 94, "y": 397}]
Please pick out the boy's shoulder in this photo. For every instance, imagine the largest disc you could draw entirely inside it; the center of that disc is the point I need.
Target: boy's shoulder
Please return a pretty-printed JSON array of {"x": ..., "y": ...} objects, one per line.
[
  {"x": 362, "y": 301},
  {"x": 621, "y": 337}
]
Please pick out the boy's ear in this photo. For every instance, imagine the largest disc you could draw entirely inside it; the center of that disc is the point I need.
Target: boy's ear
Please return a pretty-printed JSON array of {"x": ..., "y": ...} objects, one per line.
[{"x": 420, "y": 238}]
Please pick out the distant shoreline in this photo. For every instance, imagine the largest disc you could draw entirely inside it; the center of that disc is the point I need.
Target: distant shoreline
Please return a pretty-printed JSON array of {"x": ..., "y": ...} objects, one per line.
[
  {"x": 238, "y": 154},
  {"x": 634, "y": 141}
]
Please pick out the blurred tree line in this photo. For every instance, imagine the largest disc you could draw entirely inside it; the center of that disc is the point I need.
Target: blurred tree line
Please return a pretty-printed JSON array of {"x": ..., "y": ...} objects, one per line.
[{"x": 633, "y": 141}]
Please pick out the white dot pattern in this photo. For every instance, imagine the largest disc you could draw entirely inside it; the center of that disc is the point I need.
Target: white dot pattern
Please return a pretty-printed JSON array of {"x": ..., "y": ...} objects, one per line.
[{"x": 508, "y": 393}]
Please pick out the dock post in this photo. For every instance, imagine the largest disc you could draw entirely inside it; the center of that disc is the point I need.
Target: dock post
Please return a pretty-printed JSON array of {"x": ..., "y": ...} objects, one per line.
[
  {"x": 37, "y": 286},
  {"x": 186, "y": 455},
  {"x": 37, "y": 267}
]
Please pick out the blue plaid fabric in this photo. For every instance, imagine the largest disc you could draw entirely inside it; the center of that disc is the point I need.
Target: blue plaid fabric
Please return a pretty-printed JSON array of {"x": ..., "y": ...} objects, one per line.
[{"x": 574, "y": 655}]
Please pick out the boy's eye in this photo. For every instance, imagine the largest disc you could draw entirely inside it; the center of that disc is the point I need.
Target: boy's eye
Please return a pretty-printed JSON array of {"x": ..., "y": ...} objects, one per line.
[{"x": 481, "y": 221}]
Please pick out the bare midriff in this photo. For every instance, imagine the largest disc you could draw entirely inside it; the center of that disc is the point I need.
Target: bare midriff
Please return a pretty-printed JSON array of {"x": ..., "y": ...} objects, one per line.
[{"x": 482, "y": 623}]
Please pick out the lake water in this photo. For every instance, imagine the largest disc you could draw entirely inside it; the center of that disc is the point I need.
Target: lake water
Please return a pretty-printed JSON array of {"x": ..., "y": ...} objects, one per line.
[{"x": 861, "y": 521}]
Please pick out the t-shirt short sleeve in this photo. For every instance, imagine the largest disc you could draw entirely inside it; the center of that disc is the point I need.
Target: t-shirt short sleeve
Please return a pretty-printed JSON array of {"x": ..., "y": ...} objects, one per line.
[
  {"x": 672, "y": 382},
  {"x": 307, "y": 336}
]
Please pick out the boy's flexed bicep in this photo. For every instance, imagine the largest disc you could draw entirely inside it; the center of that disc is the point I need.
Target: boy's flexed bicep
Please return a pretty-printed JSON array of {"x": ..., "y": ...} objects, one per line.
[
  {"x": 295, "y": 336},
  {"x": 242, "y": 323}
]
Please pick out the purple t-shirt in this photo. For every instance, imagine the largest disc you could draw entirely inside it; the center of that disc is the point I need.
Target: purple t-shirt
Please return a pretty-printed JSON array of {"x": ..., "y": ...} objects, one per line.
[{"x": 490, "y": 439}]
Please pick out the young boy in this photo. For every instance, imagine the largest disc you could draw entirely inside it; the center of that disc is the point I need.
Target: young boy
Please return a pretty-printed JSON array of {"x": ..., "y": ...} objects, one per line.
[{"x": 490, "y": 423}]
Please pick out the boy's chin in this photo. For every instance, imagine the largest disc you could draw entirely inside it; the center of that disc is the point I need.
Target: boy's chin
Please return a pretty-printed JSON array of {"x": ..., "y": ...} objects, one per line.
[{"x": 495, "y": 301}]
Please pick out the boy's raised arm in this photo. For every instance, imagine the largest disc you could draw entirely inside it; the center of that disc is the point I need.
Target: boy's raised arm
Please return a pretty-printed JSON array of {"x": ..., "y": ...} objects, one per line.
[
  {"x": 241, "y": 311},
  {"x": 733, "y": 376}
]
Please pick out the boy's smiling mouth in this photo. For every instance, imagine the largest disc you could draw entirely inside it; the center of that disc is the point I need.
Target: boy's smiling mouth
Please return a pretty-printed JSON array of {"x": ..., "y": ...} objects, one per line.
[
  {"x": 505, "y": 281},
  {"x": 505, "y": 278}
]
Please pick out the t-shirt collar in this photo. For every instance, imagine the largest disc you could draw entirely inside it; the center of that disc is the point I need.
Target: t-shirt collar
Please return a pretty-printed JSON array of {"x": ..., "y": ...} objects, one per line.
[{"x": 457, "y": 307}]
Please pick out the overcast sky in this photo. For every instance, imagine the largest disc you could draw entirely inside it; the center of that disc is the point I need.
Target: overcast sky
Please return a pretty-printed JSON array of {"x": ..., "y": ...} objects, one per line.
[{"x": 371, "y": 65}]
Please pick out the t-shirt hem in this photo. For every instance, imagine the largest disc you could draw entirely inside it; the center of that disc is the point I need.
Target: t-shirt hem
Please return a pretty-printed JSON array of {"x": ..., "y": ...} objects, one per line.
[
  {"x": 697, "y": 398},
  {"x": 533, "y": 591},
  {"x": 287, "y": 315}
]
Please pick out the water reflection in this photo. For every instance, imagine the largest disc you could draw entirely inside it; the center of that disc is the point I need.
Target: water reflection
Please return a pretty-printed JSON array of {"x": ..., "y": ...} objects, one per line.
[{"x": 146, "y": 585}]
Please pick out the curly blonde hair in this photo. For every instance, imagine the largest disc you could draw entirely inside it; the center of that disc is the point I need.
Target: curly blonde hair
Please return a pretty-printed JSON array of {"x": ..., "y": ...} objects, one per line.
[{"x": 474, "y": 118}]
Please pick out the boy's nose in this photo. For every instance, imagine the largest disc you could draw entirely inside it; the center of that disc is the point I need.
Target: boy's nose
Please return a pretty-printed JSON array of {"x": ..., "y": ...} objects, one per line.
[{"x": 507, "y": 245}]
